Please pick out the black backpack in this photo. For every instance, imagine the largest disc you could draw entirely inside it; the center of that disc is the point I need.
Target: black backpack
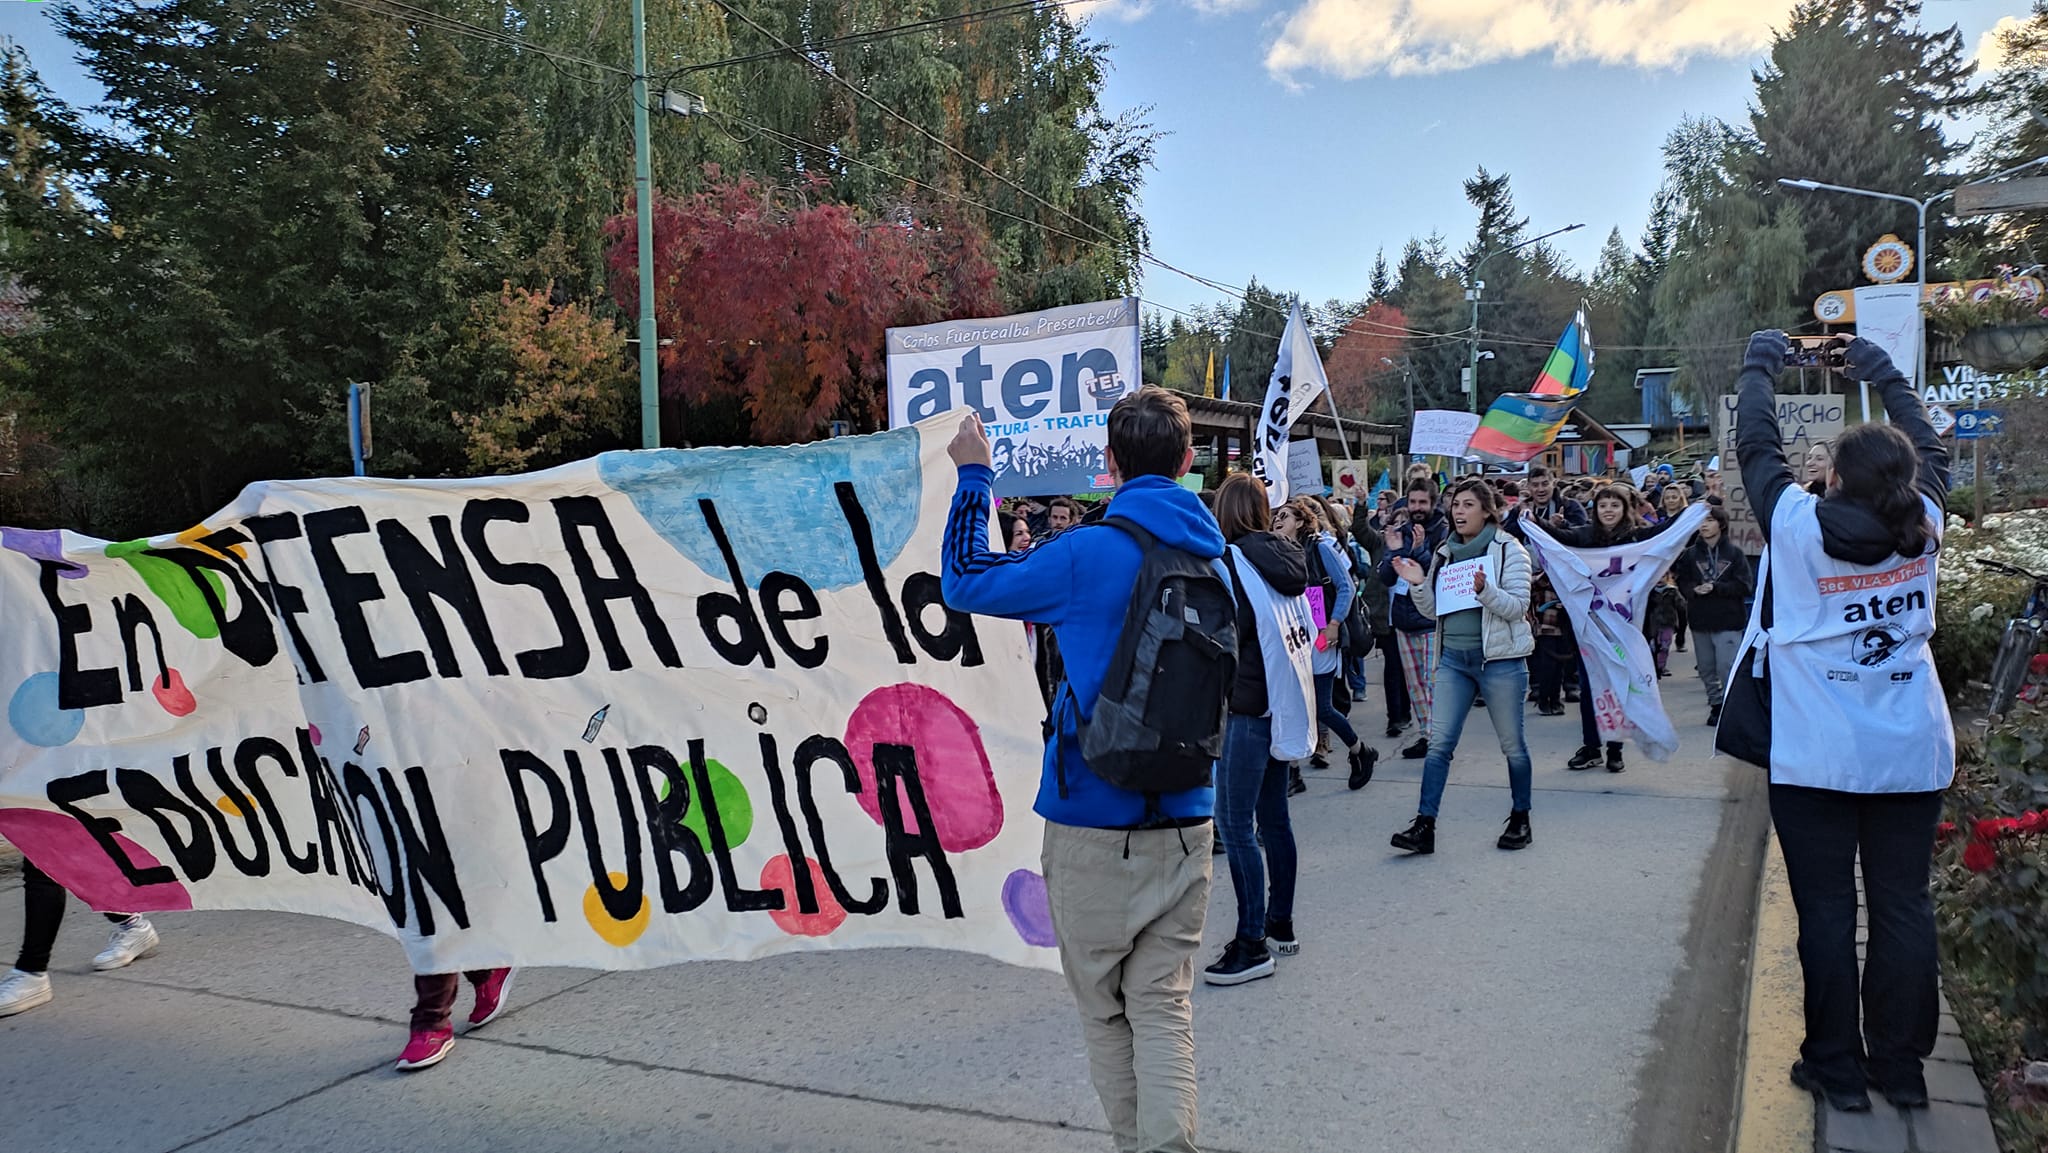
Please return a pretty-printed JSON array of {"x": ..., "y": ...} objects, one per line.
[{"x": 1158, "y": 725}]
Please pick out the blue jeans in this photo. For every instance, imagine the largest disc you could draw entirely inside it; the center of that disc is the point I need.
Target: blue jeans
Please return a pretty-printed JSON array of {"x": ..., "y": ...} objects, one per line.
[
  {"x": 1326, "y": 712},
  {"x": 1252, "y": 786},
  {"x": 1461, "y": 676}
]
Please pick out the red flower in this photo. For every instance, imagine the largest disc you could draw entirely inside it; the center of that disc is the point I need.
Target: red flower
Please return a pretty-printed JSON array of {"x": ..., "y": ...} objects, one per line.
[
  {"x": 2034, "y": 822},
  {"x": 1978, "y": 857},
  {"x": 1944, "y": 832},
  {"x": 1985, "y": 830}
]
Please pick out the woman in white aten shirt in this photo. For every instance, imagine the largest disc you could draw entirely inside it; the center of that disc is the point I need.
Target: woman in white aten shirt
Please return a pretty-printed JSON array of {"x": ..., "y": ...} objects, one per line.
[{"x": 1837, "y": 649}]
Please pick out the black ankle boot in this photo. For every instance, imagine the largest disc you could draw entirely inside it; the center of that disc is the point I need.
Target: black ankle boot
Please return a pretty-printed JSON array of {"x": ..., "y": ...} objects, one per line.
[
  {"x": 1614, "y": 764},
  {"x": 1517, "y": 835},
  {"x": 1418, "y": 838}
]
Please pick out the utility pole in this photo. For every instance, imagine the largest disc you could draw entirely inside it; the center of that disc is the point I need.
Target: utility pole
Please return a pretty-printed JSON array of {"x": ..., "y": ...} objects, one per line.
[
  {"x": 1477, "y": 288},
  {"x": 643, "y": 202}
]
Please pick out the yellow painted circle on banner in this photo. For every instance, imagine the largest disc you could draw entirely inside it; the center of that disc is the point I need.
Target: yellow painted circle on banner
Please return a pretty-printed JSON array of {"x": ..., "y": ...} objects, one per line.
[{"x": 615, "y": 932}]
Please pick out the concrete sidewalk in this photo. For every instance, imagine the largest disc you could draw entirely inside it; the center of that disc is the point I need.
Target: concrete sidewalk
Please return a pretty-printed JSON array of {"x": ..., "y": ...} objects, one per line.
[{"x": 1475, "y": 1000}]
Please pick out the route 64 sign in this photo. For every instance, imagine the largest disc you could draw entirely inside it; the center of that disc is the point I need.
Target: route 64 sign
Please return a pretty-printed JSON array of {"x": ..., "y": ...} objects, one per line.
[{"x": 1978, "y": 423}]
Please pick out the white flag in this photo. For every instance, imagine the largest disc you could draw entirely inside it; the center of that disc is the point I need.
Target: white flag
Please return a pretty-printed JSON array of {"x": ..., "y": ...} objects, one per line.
[
  {"x": 1297, "y": 381},
  {"x": 1606, "y": 590}
]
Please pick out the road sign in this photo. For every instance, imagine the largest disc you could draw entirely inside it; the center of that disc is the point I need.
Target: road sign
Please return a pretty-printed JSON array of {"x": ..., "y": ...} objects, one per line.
[
  {"x": 1941, "y": 419},
  {"x": 1978, "y": 423},
  {"x": 2004, "y": 196}
]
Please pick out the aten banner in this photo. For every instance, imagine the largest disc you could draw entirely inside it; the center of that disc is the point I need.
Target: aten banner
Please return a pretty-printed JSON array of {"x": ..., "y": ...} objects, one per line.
[{"x": 1043, "y": 382}]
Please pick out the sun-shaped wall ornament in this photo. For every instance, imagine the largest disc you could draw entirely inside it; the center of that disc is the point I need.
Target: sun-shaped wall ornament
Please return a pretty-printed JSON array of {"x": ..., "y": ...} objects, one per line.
[{"x": 1888, "y": 261}]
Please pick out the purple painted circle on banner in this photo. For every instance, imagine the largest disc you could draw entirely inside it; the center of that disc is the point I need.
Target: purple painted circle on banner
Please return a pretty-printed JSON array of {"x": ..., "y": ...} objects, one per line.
[{"x": 1030, "y": 909}]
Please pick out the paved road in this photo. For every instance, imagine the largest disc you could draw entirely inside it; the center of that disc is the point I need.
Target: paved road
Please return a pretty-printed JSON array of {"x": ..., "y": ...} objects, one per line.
[{"x": 1476, "y": 1000}]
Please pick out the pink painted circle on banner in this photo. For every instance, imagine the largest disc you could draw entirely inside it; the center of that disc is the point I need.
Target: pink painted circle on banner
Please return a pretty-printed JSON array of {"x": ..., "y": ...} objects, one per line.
[
  {"x": 952, "y": 766},
  {"x": 778, "y": 874},
  {"x": 172, "y": 694},
  {"x": 62, "y": 848}
]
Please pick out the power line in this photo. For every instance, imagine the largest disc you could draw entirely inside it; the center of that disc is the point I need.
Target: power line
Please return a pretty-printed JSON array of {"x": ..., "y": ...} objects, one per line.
[
  {"x": 875, "y": 34},
  {"x": 499, "y": 36}
]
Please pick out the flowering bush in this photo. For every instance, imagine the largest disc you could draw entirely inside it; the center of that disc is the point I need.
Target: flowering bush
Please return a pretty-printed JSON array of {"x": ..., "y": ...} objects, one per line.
[
  {"x": 1954, "y": 311},
  {"x": 1973, "y": 603},
  {"x": 1991, "y": 892}
]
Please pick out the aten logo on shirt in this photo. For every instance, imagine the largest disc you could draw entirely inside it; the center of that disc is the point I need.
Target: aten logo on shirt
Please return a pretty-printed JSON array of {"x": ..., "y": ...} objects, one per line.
[
  {"x": 1879, "y": 608},
  {"x": 1848, "y": 675}
]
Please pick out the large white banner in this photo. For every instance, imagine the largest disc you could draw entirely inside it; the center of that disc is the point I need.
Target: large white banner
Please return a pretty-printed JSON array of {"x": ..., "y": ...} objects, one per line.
[
  {"x": 1606, "y": 591},
  {"x": 1297, "y": 381},
  {"x": 1803, "y": 421},
  {"x": 652, "y": 707},
  {"x": 1043, "y": 382},
  {"x": 1888, "y": 315}
]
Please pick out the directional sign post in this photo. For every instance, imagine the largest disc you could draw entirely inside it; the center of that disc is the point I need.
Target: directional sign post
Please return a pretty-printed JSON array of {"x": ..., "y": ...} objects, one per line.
[{"x": 1974, "y": 425}]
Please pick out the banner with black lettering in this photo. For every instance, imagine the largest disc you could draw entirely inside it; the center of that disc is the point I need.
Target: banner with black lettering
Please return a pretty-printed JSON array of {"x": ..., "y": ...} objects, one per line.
[
  {"x": 1043, "y": 382},
  {"x": 652, "y": 707}
]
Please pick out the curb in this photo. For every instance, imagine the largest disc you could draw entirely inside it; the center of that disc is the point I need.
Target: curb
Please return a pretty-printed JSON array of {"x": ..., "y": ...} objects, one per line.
[{"x": 1773, "y": 1116}]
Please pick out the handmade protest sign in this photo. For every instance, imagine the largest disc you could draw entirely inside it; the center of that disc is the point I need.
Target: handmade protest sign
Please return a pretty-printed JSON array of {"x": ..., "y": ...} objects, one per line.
[
  {"x": 1442, "y": 432},
  {"x": 1606, "y": 591},
  {"x": 1804, "y": 421},
  {"x": 1457, "y": 586},
  {"x": 1305, "y": 469},
  {"x": 1043, "y": 382},
  {"x": 651, "y": 707}
]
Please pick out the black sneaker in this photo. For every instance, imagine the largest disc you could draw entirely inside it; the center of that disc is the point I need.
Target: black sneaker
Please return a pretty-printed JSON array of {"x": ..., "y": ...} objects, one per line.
[
  {"x": 1318, "y": 761},
  {"x": 1363, "y": 758},
  {"x": 1280, "y": 938},
  {"x": 1517, "y": 835},
  {"x": 1394, "y": 730},
  {"x": 1571, "y": 696},
  {"x": 1551, "y": 710},
  {"x": 1585, "y": 758},
  {"x": 1418, "y": 838},
  {"x": 1713, "y": 716},
  {"x": 1416, "y": 751},
  {"x": 1614, "y": 764},
  {"x": 1904, "y": 1092},
  {"x": 1242, "y": 961},
  {"x": 1847, "y": 1100},
  {"x": 1295, "y": 785},
  {"x": 1478, "y": 702}
]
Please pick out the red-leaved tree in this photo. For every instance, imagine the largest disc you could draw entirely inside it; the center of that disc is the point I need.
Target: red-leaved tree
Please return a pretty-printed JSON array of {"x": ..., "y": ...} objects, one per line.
[
  {"x": 778, "y": 300},
  {"x": 1359, "y": 377}
]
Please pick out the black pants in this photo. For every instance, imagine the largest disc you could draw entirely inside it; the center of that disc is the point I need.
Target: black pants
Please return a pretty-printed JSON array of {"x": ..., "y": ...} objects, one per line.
[
  {"x": 42, "y": 903},
  {"x": 1589, "y": 729},
  {"x": 1546, "y": 670},
  {"x": 1823, "y": 834},
  {"x": 1400, "y": 710}
]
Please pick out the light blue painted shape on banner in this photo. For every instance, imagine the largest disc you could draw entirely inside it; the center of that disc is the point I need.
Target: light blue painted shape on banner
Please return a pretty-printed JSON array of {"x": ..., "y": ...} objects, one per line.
[
  {"x": 778, "y": 506},
  {"x": 35, "y": 716}
]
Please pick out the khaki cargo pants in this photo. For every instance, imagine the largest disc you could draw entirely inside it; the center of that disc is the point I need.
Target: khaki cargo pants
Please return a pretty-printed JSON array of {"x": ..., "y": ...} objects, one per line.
[{"x": 1128, "y": 909}]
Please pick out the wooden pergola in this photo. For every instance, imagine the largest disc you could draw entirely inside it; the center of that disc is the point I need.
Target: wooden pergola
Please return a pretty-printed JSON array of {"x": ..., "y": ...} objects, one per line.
[{"x": 1229, "y": 426}]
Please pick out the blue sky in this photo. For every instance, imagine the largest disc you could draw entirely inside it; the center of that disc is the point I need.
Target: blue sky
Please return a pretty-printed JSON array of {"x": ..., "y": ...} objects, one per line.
[{"x": 1306, "y": 134}]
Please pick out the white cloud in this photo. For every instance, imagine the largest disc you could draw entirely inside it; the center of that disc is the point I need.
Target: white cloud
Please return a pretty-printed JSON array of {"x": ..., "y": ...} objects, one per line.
[
  {"x": 1991, "y": 48},
  {"x": 1124, "y": 10},
  {"x": 1220, "y": 7},
  {"x": 1354, "y": 38}
]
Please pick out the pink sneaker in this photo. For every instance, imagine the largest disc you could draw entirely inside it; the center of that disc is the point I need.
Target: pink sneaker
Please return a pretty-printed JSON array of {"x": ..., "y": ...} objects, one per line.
[
  {"x": 427, "y": 1047},
  {"x": 490, "y": 998}
]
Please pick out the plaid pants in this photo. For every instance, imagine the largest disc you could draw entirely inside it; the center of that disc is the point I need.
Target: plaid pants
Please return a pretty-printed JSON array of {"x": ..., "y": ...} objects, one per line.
[{"x": 1418, "y": 666}]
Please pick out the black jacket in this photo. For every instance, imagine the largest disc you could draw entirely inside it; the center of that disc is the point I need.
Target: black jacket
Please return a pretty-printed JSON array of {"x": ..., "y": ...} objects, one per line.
[
  {"x": 1723, "y": 566},
  {"x": 1572, "y": 511},
  {"x": 1405, "y": 616},
  {"x": 1285, "y": 567},
  {"x": 1849, "y": 531}
]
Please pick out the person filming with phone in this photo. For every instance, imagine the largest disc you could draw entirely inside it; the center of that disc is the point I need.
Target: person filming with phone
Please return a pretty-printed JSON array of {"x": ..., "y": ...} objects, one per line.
[{"x": 1834, "y": 693}]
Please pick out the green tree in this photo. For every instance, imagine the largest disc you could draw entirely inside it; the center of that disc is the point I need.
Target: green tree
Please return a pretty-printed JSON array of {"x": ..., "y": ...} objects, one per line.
[
  {"x": 561, "y": 371},
  {"x": 2017, "y": 96},
  {"x": 1855, "y": 93}
]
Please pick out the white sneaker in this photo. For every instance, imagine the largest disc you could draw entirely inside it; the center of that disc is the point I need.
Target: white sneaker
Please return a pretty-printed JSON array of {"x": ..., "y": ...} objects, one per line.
[
  {"x": 130, "y": 942},
  {"x": 20, "y": 992}
]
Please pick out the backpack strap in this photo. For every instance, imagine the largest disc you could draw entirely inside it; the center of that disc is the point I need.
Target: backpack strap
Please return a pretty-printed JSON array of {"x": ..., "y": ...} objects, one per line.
[{"x": 1146, "y": 541}]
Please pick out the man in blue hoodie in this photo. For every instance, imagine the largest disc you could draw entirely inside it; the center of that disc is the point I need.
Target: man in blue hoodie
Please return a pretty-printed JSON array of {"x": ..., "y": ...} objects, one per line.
[{"x": 1127, "y": 874}]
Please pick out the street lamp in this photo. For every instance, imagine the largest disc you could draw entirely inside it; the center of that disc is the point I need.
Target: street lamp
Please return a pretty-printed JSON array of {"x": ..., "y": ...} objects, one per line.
[
  {"x": 1407, "y": 368},
  {"x": 1920, "y": 207},
  {"x": 1476, "y": 289}
]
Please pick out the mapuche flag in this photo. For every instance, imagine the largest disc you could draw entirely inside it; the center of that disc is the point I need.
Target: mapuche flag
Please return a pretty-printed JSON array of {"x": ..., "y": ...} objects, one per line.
[{"x": 1520, "y": 425}]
